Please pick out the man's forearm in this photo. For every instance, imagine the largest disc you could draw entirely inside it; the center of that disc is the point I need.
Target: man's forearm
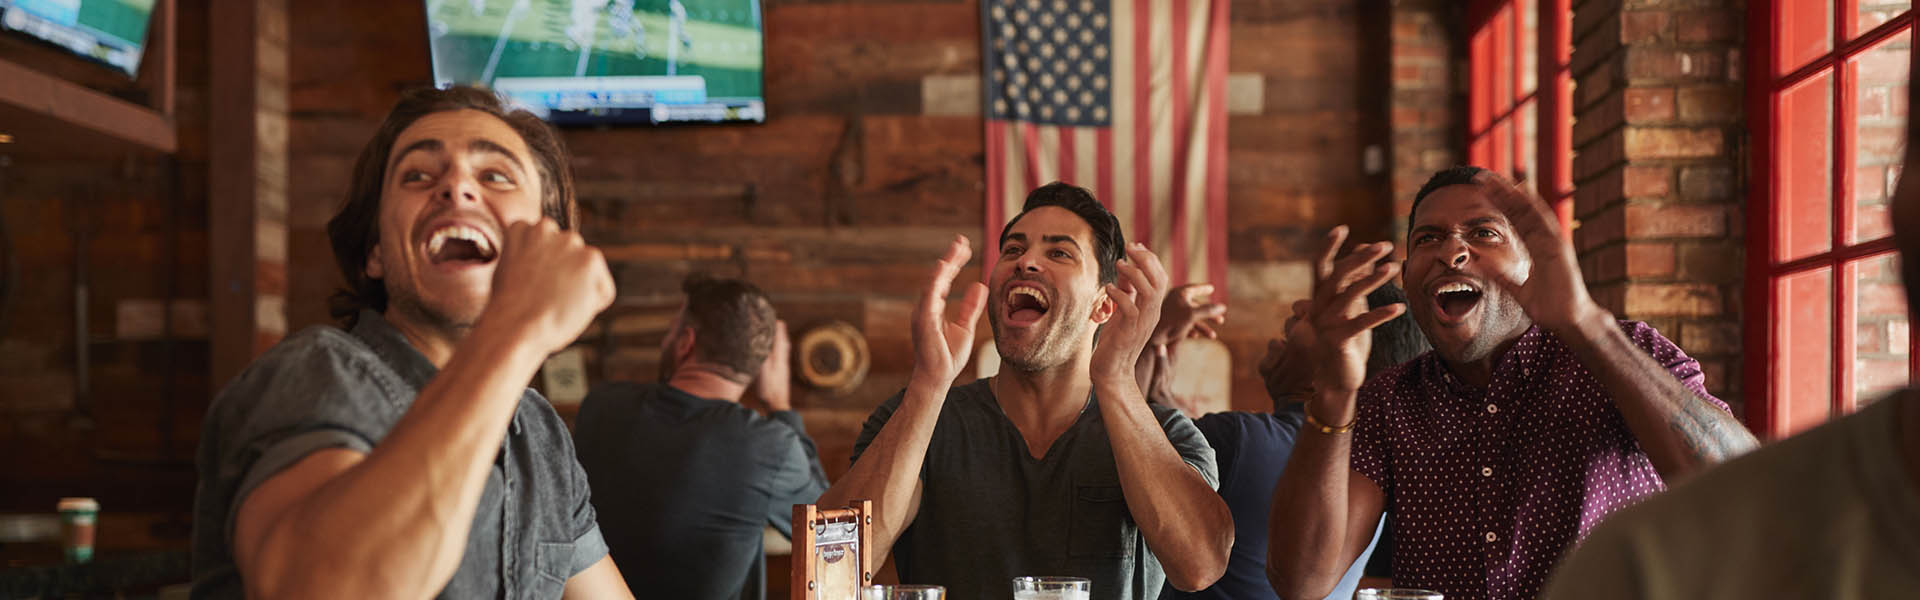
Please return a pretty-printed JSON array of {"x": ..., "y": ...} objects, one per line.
[
  {"x": 1680, "y": 431},
  {"x": 1184, "y": 521},
  {"x": 397, "y": 521},
  {"x": 1307, "y": 526},
  {"x": 888, "y": 472}
]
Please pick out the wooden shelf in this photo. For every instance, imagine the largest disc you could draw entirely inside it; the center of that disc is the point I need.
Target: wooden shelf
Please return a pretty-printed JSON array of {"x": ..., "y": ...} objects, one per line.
[
  {"x": 50, "y": 117},
  {"x": 53, "y": 117}
]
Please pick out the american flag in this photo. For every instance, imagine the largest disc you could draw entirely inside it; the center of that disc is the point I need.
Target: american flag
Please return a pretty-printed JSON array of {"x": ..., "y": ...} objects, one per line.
[{"x": 1123, "y": 97}]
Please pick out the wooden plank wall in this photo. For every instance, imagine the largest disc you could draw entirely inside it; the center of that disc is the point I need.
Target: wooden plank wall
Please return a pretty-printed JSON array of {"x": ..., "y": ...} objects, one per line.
[{"x": 838, "y": 204}]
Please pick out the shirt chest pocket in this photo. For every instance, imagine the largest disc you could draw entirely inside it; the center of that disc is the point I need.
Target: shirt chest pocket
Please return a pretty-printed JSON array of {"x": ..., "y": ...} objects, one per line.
[
  {"x": 552, "y": 564},
  {"x": 1101, "y": 527}
]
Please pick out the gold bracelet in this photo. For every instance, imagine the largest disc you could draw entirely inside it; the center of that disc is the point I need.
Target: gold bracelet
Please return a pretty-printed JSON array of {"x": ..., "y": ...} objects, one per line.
[{"x": 1328, "y": 429}]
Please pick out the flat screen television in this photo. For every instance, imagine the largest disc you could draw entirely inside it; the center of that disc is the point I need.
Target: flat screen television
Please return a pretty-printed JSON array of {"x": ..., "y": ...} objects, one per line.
[
  {"x": 109, "y": 31},
  {"x": 606, "y": 61}
]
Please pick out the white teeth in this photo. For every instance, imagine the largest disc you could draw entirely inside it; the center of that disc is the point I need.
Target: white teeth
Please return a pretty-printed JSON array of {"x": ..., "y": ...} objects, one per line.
[
  {"x": 1455, "y": 287},
  {"x": 459, "y": 232},
  {"x": 1029, "y": 292}
]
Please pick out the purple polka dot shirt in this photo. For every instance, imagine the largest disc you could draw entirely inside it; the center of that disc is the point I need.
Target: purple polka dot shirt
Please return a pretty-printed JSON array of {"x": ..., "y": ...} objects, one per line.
[{"x": 1488, "y": 486}]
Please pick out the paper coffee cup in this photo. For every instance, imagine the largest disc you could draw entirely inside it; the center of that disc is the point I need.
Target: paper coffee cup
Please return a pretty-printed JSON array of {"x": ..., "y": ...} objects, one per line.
[{"x": 77, "y": 519}]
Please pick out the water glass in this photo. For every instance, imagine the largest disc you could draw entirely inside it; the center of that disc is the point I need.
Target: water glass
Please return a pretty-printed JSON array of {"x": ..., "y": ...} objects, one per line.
[
  {"x": 1052, "y": 588},
  {"x": 903, "y": 592},
  {"x": 1396, "y": 594}
]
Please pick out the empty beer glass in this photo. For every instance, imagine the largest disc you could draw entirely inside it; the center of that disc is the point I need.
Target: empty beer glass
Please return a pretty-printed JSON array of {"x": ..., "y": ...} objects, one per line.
[{"x": 1052, "y": 588}]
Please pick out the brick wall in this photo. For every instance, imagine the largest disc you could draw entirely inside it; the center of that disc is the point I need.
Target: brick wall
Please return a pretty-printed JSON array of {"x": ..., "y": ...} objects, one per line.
[
  {"x": 1658, "y": 167},
  {"x": 141, "y": 224},
  {"x": 870, "y": 160},
  {"x": 1428, "y": 112}
]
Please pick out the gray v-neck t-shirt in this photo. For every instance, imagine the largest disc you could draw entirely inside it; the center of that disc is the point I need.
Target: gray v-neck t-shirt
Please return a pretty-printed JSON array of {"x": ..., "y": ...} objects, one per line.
[{"x": 990, "y": 511}]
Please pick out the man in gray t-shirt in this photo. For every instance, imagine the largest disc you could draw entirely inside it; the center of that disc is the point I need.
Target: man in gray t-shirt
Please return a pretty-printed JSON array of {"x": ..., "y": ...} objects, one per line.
[
  {"x": 1056, "y": 466},
  {"x": 404, "y": 457}
]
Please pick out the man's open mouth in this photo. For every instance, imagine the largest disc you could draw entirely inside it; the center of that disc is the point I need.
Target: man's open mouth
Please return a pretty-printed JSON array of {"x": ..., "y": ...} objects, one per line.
[
  {"x": 1455, "y": 300},
  {"x": 460, "y": 243},
  {"x": 1026, "y": 304}
]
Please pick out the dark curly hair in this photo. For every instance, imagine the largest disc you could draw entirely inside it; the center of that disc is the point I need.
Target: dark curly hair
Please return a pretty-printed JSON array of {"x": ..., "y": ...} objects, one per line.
[{"x": 356, "y": 228}]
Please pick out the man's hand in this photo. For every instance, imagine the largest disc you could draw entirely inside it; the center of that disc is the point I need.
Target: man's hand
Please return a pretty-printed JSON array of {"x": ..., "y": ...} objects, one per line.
[
  {"x": 1136, "y": 296},
  {"x": 1285, "y": 369},
  {"x": 1338, "y": 316},
  {"x": 549, "y": 284},
  {"x": 941, "y": 345},
  {"x": 1554, "y": 295},
  {"x": 1189, "y": 311},
  {"x": 774, "y": 385}
]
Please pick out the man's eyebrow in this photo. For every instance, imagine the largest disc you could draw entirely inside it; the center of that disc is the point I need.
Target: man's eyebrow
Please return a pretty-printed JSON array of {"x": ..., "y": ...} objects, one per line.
[
  {"x": 426, "y": 144},
  {"x": 486, "y": 146},
  {"x": 1484, "y": 221},
  {"x": 1055, "y": 239},
  {"x": 1425, "y": 228},
  {"x": 1014, "y": 237}
]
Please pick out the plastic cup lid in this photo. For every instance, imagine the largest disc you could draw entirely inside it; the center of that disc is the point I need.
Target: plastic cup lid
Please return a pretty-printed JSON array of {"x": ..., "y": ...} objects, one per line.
[{"x": 67, "y": 504}]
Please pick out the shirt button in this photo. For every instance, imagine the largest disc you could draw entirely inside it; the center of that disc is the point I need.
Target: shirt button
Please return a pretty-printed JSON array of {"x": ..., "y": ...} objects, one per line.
[
  {"x": 1486, "y": 471},
  {"x": 1493, "y": 408},
  {"x": 1526, "y": 372},
  {"x": 1492, "y": 537}
]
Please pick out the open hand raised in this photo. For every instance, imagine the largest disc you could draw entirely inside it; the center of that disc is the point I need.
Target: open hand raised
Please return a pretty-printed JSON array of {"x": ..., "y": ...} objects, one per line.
[{"x": 941, "y": 345}]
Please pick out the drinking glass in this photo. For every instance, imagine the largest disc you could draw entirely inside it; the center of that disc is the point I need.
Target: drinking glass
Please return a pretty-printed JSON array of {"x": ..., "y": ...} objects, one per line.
[
  {"x": 1052, "y": 588},
  {"x": 1396, "y": 594},
  {"x": 903, "y": 592}
]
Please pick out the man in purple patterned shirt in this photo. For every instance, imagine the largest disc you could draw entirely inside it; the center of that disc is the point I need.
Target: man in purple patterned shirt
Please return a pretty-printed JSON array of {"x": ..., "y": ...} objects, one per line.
[{"x": 1535, "y": 416}]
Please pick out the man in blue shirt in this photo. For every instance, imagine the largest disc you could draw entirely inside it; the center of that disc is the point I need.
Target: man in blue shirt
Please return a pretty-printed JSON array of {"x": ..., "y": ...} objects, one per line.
[{"x": 1252, "y": 447}]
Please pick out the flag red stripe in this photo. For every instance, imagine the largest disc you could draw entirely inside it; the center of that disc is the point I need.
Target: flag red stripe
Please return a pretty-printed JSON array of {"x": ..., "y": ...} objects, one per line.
[
  {"x": 1030, "y": 140},
  {"x": 1142, "y": 121},
  {"x": 996, "y": 200},
  {"x": 1066, "y": 157},
  {"x": 1103, "y": 149},
  {"x": 1182, "y": 152},
  {"x": 1217, "y": 44}
]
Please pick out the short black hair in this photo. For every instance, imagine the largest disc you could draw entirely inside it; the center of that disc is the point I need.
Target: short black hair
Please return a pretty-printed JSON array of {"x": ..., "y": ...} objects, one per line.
[
  {"x": 1109, "y": 243},
  {"x": 733, "y": 321},
  {"x": 1455, "y": 175},
  {"x": 1396, "y": 341}
]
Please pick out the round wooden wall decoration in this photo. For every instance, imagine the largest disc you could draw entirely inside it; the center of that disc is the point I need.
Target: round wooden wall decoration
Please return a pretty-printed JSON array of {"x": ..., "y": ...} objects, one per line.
[{"x": 833, "y": 357}]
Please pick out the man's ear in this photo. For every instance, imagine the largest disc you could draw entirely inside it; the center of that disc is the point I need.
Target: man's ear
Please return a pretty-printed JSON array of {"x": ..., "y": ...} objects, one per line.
[
  {"x": 375, "y": 270},
  {"x": 1103, "y": 307},
  {"x": 683, "y": 346}
]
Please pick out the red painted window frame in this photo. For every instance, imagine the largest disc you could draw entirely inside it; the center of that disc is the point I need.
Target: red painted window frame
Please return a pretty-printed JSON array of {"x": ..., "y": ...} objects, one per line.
[
  {"x": 1767, "y": 409},
  {"x": 1495, "y": 100}
]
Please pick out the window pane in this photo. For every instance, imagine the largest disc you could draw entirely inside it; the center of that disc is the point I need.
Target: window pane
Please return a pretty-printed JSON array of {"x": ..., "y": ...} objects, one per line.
[
  {"x": 1806, "y": 32},
  {"x": 1480, "y": 98},
  {"x": 1564, "y": 153},
  {"x": 1503, "y": 147},
  {"x": 1881, "y": 343},
  {"x": 1529, "y": 45},
  {"x": 1871, "y": 13},
  {"x": 1502, "y": 26},
  {"x": 1526, "y": 163},
  {"x": 1879, "y": 79},
  {"x": 1803, "y": 173},
  {"x": 1803, "y": 371}
]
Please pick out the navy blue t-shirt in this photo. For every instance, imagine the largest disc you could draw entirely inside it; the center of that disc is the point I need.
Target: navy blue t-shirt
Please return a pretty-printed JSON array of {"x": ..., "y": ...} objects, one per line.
[{"x": 1252, "y": 450}]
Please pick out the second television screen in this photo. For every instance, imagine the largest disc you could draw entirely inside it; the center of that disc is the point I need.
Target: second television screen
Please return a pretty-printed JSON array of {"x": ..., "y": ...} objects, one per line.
[{"x": 606, "y": 61}]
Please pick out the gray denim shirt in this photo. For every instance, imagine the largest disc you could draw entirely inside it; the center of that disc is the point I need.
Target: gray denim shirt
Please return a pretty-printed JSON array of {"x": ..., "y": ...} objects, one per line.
[{"x": 327, "y": 388}]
